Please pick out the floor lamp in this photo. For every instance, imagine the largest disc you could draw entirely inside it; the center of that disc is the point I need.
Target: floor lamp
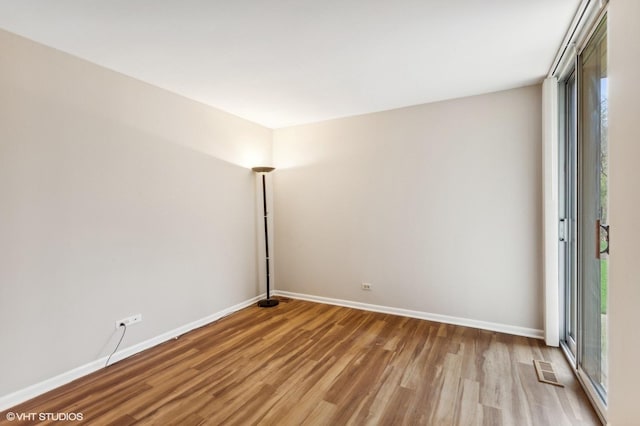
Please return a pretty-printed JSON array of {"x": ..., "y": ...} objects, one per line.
[{"x": 268, "y": 302}]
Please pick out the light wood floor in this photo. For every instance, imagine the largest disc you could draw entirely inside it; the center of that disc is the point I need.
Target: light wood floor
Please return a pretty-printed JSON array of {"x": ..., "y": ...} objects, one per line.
[{"x": 308, "y": 363}]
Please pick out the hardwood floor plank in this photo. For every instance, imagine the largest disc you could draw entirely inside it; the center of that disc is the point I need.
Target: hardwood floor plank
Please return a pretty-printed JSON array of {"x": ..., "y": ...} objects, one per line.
[
  {"x": 321, "y": 415},
  {"x": 297, "y": 406},
  {"x": 491, "y": 416},
  {"x": 398, "y": 410},
  {"x": 308, "y": 363},
  {"x": 450, "y": 391},
  {"x": 467, "y": 407}
]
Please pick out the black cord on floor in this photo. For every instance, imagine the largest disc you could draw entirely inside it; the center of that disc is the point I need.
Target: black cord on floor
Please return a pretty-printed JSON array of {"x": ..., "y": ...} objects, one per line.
[{"x": 118, "y": 345}]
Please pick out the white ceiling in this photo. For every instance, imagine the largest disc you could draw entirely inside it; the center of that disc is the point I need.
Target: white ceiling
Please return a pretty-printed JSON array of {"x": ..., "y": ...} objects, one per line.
[{"x": 287, "y": 62}]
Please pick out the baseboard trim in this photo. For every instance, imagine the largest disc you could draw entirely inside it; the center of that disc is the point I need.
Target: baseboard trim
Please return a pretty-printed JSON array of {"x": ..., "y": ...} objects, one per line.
[
  {"x": 466, "y": 322},
  {"x": 47, "y": 385}
]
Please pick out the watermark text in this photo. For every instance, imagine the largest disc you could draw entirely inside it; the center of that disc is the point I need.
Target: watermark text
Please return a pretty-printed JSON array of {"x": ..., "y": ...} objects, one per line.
[{"x": 52, "y": 417}]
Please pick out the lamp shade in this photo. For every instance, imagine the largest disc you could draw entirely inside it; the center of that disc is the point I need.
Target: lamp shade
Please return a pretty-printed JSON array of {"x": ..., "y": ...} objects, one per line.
[{"x": 263, "y": 169}]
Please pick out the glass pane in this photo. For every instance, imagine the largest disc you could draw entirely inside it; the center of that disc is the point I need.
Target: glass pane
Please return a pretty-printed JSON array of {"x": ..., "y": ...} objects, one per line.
[
  {"x": 593, "y": 209},
  {"x": 569, "y": 211}
]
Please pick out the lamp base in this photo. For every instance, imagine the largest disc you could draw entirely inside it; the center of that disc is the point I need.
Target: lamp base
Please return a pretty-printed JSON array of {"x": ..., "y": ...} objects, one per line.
[{"x": 268, "y": 303}]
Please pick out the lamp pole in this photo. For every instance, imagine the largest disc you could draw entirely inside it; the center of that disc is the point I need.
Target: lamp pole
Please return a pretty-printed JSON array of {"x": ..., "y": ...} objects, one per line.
[{"x": 268, "y": 302}]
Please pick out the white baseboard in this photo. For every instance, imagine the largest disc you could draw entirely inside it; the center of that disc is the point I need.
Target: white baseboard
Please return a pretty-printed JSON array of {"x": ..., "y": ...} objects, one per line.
[
  {"x": 466, "y": 322},
  {"x": 22, "y": 395}
]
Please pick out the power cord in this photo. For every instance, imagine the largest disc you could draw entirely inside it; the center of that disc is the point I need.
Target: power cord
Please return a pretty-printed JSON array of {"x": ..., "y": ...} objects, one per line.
[{"x": 124, "y": 331}]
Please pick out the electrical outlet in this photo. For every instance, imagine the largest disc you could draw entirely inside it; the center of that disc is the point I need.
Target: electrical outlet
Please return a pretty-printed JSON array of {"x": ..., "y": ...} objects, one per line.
[
  {"x": 133, "y": 319},
  {"x": 365, "y": 286}
]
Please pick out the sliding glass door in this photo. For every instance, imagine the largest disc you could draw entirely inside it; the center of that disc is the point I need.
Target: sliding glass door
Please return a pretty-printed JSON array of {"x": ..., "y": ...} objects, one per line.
[
  {"x": 592, "y": 209},
  {"x": 584, "y": 212}
]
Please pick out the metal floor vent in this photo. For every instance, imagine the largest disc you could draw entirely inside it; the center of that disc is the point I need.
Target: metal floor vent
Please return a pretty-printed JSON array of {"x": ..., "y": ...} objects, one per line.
[{"x": 545, "y": 372}]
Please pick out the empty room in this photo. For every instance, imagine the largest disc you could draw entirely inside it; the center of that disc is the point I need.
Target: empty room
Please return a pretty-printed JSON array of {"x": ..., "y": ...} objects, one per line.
[{"x": 323, "y": 213}]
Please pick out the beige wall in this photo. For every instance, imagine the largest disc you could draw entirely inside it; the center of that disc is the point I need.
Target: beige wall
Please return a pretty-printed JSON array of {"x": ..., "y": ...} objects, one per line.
[
  {"x": 624, "y": 145},
  {"x": 116, "y": 198},
  {"x": 438, "y": 206}
]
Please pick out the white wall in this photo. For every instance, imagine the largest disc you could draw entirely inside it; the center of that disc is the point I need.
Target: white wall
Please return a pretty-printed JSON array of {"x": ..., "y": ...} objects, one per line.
[
  {"x": 624, "y": 193},
  {"x": 438, "y": 206},
  {"x": 116, "y": 198}
]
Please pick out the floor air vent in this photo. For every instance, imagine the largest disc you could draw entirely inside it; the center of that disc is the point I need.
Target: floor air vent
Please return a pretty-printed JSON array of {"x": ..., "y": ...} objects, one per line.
[{"x": 545, "y": 372}]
